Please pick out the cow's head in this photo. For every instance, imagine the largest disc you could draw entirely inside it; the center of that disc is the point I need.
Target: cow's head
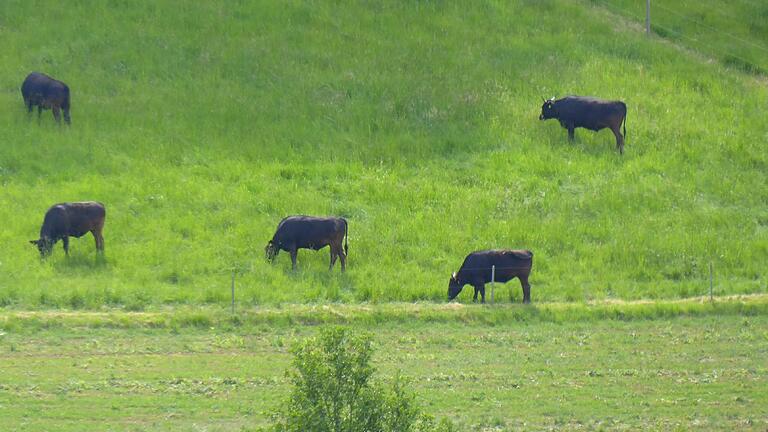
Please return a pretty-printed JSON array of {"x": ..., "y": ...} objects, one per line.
[
  {"x": 548, "y": 110},
  {"x": 271, "y": 250},
  {"x": 454, "y": 287},
  {"x": 44, "y": 245}
]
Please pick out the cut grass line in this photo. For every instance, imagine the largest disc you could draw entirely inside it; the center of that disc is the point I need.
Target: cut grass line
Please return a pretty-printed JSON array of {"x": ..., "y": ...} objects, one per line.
[
  {"x": 213, "y": 317},
  {"x": 135, "y": 354}
]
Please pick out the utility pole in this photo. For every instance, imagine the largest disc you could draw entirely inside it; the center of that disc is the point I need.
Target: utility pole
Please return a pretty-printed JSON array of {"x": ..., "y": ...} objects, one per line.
[{"x": 647, "y": 17}]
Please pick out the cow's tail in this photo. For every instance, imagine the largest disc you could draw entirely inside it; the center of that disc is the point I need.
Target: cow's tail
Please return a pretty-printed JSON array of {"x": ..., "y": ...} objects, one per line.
[
  {"x": 346, "y": 237},
  {"x": 624, "y": 122}
]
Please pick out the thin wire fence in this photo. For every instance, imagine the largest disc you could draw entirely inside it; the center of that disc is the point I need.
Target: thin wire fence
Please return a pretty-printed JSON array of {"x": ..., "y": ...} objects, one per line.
[
  {"x": 723, "y": 13},
  {"x": 720, "y": 31},
  {"x": 489, "y": 268},
  {"x": 749, "y": 2},
  {"x": 696, "y": 44}
]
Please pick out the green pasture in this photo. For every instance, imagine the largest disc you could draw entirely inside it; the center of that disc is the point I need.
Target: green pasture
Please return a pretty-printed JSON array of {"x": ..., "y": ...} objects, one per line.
[
  {"x": 678, "y": 373},
  {"x": 201, "y": 124}
]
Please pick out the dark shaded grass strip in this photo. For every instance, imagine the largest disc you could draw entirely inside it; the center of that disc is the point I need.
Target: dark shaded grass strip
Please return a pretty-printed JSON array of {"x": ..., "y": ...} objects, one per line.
[{"x": 391, "y": 314}]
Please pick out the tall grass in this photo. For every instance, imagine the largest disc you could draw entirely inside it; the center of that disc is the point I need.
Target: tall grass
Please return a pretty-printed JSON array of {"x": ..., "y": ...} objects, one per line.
[{"x": 200, "y": 125}]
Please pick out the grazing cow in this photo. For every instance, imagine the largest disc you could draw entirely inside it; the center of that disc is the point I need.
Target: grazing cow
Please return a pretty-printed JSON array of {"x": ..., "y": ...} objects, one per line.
[
  {"x": 477, "y": 267},
  {"x": 308, "y": 232},
  {"x": 589, "y": 113},
  {"x": 46, "y": 92},
  {"x": 71, "y": 219}
]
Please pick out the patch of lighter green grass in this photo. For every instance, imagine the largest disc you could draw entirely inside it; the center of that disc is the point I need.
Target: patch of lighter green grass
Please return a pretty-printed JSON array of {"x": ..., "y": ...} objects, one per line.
[{"x": 645, "y": 374}]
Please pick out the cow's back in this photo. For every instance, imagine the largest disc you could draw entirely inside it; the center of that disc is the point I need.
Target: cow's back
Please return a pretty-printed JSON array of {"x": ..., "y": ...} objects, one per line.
[
  {"x": 85, "y": 216},
  {"x": 303, "y": 230},
  {"x": 508, "y": 264},
  {"x": 588, "y": 111},
  {"x": 72, "y": 219},
  {"x": 40, "y": 88}
]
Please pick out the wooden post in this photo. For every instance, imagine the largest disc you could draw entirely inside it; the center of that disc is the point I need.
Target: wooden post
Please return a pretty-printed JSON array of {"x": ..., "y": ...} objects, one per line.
[
  {"x": 233, "y": 292},
  {"x": 710, "y": 281},
  {"x": 493, "y": 282},
  {"x": 647, "y": 17}
]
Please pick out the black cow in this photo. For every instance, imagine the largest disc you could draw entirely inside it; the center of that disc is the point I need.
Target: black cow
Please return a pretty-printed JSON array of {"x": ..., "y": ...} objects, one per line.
[
  {"x": 588, "y": 112},
  {"x": 45, "y": 92},
  {"x": 309, "y": 232},
  {"x": 71, "y": 219},
  {"x": 477, "y": 268}
]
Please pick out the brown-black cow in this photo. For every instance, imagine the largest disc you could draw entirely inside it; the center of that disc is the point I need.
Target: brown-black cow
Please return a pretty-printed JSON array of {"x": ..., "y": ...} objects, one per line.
[
  {"x": 478, "y": 267},
  {"x": 47, "y": 93},
  {"x": 588, "y": 112},
  {"x": 309, "y": 232},
  {"x": 71, "y": 220}
]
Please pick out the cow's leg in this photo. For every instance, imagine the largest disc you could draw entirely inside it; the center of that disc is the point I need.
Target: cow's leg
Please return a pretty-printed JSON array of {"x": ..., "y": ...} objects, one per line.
[
  {"x": 571, "y": 130},
  {"x": 99, "y": 239},
  {"x": 65, "y": 241},
  {"x": 619, "y": 139},
  {"x": 67, "y": 119},
  {"x": 334, "y": 254},
  {"x": 479, "y": 289},
  {"x": 29, "y": 105},
  {"x": 56, "y": 114},
  {"x": 294, "y": 251},
  {"x": 39, "y": 112},
  {"x": 343, "y": 257},
  {"x": 526, "y": 288}
]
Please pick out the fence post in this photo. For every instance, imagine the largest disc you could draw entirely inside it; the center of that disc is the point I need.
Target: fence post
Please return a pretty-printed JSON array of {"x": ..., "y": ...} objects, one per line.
[
  {"x": 710, "y": 281},
  {"x": 493, "y": 283},
  {"x": 233, "y": 291},
  {"x": 647, "y": 17}
]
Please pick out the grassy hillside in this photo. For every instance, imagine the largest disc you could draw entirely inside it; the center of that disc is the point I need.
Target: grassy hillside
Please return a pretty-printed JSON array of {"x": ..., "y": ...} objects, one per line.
[{"x": 201, "y": 124}]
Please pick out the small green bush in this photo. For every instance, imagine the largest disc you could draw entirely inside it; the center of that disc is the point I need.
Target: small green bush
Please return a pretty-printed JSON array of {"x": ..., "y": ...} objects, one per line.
[{"x": 333, "y": 391}]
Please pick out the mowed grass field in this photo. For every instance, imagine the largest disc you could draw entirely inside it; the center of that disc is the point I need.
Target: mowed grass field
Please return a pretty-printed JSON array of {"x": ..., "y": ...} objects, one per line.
[
  {"x": 130, "y": 372},
  {"x": 201, "y": 125}
]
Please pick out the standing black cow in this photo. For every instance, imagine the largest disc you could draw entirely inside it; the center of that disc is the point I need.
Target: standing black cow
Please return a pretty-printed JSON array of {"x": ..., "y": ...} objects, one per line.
[
  {"x": 45, "y": 92},
  {"x": 309, "y": 232},
  {"x": 587, "y": 112},
  {"x": 71, "y": 219},
  {"x": 477, "y": 268}
]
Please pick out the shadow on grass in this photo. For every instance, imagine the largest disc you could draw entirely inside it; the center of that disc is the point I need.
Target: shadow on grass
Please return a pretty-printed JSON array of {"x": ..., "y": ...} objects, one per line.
[{"x": 80, "y": 263}]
